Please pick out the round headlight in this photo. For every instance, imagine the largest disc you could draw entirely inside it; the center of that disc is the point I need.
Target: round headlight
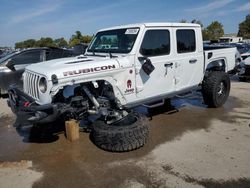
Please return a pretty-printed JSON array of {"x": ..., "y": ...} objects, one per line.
[{"x": 43, "y": 85}]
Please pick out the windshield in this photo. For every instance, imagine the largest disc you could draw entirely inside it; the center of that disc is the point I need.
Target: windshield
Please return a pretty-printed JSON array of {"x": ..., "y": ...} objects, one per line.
[{"x": 114, "y": 41}]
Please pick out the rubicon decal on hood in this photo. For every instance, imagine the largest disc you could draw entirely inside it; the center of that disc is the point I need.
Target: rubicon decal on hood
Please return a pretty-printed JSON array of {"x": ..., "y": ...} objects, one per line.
[{"x": 88, "y": 70}]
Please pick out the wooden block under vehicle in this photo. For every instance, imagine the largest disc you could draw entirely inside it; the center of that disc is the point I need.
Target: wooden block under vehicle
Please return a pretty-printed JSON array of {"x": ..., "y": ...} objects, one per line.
[{"x": 72, "y": 130}]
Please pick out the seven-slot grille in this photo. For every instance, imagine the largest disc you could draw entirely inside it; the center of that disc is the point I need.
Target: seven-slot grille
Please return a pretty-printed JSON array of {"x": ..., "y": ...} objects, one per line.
[{"x": 30, "y": 84}]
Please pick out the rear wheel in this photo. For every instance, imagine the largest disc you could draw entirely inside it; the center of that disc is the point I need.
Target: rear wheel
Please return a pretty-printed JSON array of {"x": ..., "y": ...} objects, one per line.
[
  {"x": 216, "y": 88},
  {"x": 129, "y": 133}
]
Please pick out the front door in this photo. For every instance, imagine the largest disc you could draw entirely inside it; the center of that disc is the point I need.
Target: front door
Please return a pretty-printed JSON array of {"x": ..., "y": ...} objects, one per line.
[{"x": 154, "y": 64}]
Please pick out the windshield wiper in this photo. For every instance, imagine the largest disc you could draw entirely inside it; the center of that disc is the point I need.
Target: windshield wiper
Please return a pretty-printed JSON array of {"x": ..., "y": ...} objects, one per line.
[
  {"x": 110, "y": 55},
  {"x": 94, "y": 53}
]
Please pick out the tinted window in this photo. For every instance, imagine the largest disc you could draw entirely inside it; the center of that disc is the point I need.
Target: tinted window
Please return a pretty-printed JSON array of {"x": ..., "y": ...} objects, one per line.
[
  {"x": 27, "y": 57},
  {"x": 155, "y": 42},
  {"x": 68, "y": 53},
  {"x": 57, "y": 53},
  {"x": 185, "y": 40},
  {"x": 54, "y": 54}
]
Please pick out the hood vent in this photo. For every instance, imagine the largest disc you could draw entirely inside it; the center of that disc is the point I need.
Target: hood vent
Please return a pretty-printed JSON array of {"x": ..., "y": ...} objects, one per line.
[{"x": 79, "y": 61}]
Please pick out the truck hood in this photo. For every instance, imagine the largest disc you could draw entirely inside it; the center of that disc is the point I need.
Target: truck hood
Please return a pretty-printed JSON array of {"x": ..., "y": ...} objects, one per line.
[{"x": 74, "y": 66}]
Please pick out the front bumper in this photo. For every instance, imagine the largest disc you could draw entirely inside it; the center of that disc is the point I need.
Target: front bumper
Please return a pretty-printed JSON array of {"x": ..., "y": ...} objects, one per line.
[{"x": 25, "y": 106}]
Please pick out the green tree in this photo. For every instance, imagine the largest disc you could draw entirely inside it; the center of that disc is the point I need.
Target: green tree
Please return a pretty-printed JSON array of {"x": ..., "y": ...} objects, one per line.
[
  {"x": 244, "y": 28},
  {"x": 214, "y": 31},
  {"x": 75, "y": 39},
  {"x": 45, "y": 42},
  {"x": 73, "y": 42},
  {"x": 78, "y": 35},
  {"x": 19, "y": 45},
  {"x": 78, "y": 38},
  {"x": 30, "y": 43},
  {"x": 205, "y": 34},
  {"x": 86, "y": 38},
  {"x": 60, "y": 42}
]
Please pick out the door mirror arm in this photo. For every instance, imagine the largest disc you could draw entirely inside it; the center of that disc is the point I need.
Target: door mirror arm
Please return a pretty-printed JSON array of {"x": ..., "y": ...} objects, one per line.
[{"x": 142, "y": 58}]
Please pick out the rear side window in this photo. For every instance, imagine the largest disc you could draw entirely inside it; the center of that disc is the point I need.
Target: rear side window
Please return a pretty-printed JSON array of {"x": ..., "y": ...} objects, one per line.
[
  {"x": 67, "y": 53},
  {"x": 27, "y": 57},
  {"x": 155, "y": 43},
  {"x": 185, "y": 40},
  {"x": 54, "y": 54}
]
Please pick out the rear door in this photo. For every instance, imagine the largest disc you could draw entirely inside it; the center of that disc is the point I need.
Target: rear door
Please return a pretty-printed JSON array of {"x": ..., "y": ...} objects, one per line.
[
  {"x": 156, "y": 48},
  {"x": 189, "y": 58}
]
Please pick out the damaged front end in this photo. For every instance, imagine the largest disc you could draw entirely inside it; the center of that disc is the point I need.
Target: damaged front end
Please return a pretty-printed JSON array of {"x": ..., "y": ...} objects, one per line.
[
  {"x": 23, "y": 105},
  {"x": 72, "y": 102}
]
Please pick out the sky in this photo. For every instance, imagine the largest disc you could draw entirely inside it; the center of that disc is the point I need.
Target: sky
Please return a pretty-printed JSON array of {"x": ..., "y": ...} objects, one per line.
[{"x": 26, "y": 19}]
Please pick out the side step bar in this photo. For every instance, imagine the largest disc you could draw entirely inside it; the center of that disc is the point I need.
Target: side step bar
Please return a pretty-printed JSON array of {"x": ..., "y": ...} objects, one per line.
[{"x": 154, "y": 105}]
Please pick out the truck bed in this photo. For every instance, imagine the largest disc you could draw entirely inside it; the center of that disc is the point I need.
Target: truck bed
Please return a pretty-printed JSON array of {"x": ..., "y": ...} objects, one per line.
[{"x": 224, "y": 53}]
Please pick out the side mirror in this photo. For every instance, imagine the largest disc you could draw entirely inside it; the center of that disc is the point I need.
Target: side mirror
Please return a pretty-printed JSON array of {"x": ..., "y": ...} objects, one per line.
[
  {"x": 147, "y": 66},
  {"x": 10, "y": 65}
]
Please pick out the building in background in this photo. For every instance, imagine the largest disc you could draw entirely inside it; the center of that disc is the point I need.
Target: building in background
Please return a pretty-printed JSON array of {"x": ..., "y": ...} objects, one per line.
[{"x": 230, "y": 38}]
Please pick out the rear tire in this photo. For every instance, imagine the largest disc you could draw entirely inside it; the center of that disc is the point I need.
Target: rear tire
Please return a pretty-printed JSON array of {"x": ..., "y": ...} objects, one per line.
[
  {"x": 216, "y": 88},
  {"x": 128, "y": 134}
]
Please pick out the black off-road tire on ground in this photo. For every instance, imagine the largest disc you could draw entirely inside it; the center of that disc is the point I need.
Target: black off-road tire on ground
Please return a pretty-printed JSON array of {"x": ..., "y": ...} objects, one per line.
[
  {"x": 126, "y": 135},
  {"x": 215, "y": 88}
]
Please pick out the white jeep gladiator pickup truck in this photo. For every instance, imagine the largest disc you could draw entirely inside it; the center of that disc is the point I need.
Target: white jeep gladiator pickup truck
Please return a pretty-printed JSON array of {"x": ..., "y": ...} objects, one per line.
[{"x": 124, "y": 67}]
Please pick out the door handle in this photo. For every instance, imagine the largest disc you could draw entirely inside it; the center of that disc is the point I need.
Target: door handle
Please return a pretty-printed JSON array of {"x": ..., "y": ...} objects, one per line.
[
  {"x": 168, "y": 65},
  {"x": 192, "y": 61}
]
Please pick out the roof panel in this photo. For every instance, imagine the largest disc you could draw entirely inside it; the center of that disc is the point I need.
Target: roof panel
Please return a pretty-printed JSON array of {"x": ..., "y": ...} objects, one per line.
[{"x": 156, "y": 24}]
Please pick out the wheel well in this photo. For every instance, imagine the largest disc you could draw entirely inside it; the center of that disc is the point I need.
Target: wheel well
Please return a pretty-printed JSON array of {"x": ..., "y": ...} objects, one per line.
[
  {"x": 217, "y": 65},
  {"x": 97, "y": 88}
]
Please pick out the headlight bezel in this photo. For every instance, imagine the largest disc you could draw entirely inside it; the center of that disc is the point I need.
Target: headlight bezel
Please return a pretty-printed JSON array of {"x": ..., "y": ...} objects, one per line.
[{"x": 43, "y": 84}]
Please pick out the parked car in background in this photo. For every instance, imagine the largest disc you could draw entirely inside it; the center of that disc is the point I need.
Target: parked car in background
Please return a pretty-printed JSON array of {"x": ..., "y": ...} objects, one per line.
[
  {"x": 12, "y": 65},
  {"x": 243, "y": 48},
  {"x": 80, "y": 48},
  {"x": 246, "y": 54},
  {"x": 4, "y": 53},
  {"x": 244, "y": 65},
  {"x": 244, "y": 74}
]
